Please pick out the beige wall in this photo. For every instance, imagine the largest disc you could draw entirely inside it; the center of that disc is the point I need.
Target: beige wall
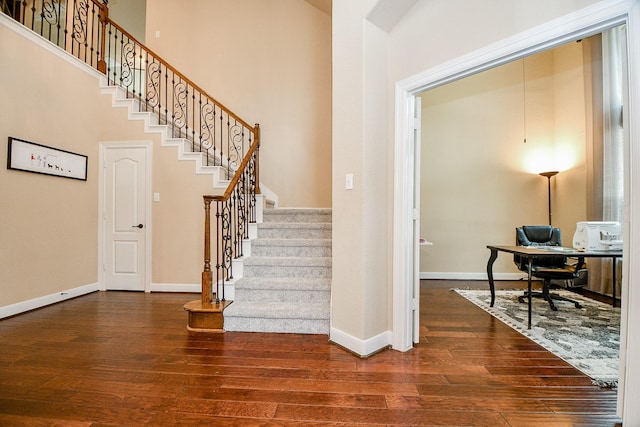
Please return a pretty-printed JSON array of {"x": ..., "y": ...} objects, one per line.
[
  {"x": 570, "y": 190},
  {"x": 130, "y": 15},
  {"x": 480, "y": 179},
  {"x": 269, "y": 62},
  {"x": 433, "y": 33},
  {"x": 50, "y": 238}
]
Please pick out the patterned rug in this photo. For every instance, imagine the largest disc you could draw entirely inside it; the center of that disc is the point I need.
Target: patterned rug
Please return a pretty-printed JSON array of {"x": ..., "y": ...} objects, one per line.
[{"x": 587, "y": 338}]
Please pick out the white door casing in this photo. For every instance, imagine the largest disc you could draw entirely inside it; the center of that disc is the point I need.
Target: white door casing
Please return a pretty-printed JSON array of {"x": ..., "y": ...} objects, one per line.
[
  {"x": 125, "y": 210},
  {"x": 417, "y": 127}
]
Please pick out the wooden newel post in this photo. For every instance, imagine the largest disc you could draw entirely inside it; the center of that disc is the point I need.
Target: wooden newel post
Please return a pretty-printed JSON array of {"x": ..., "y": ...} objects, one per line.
[
  {"x": 104, "y": 17},
  {"x": 207, "y": 278}
]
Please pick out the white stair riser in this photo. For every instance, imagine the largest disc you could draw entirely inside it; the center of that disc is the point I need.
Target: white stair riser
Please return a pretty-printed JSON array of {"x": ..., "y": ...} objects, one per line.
[{"x": 292, "y": 326}]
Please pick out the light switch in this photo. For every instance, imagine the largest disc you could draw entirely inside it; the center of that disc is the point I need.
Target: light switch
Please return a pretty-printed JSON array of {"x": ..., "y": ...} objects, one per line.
[
  {"x": 156, "y": 197},
  {"x": 157, "y": 34},
  {"x": 348, "y": 182}
]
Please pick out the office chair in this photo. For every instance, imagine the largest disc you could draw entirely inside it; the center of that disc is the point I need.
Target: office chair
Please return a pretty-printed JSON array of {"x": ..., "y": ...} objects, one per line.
[{"x": 548, "y": 268}]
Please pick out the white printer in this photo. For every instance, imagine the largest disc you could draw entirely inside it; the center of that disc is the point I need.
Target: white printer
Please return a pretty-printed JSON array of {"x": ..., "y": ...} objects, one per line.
[{"x": 598, "y": 236}]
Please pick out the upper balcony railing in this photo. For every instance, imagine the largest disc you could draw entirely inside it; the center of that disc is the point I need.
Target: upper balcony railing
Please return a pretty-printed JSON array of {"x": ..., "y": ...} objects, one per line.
[{"x": 83, "y": 29}]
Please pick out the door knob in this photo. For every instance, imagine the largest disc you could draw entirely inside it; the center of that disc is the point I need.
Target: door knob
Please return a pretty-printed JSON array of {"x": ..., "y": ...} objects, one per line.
[{"x": 137, "y": 226}]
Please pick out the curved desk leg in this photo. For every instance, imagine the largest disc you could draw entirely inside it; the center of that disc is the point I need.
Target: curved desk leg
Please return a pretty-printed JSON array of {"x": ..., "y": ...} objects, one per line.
[
  {"x": 492, "y": 259},
  {"x": 529, "y": 268}
]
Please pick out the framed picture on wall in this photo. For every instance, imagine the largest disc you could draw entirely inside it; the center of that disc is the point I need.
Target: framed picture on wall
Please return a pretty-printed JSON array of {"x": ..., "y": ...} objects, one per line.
[{"x": 31, "y": 157}]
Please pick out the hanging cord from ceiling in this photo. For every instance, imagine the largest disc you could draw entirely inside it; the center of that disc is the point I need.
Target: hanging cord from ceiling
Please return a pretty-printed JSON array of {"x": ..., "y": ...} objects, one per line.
[{"x": 524, "y": 102}]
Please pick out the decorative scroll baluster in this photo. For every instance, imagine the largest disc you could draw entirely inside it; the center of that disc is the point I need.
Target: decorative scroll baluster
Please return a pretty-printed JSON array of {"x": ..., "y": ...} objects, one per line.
[{"x": 219, "y": 270}]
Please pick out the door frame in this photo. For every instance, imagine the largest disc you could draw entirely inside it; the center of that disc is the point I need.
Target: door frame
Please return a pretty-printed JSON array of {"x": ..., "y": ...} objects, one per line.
[
  {"x": 583, "y": 23},
  {"x": 104, "y": 146}
]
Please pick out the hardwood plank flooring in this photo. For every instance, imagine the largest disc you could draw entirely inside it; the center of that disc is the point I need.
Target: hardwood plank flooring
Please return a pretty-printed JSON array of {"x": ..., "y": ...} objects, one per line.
[{"x": 126, "y": 359}]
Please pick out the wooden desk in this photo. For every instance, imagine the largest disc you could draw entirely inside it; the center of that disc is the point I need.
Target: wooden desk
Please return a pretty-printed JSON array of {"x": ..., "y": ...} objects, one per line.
[{"x": 530, "y": 253}]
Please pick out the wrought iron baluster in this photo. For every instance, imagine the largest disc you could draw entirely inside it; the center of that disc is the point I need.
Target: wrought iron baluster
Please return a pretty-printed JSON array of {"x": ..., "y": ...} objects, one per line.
[
  {"x": 199, "y": 125},
  {"x": 33, "y": 16},
  {"x": 59, "y": 24},
  {"x": 118, "y": 42},
  {"x": 193, "y": 118},
  {"x": 44, "y": 9},
  {"x": 166, "y": 94},
  {"x": 140, "y": 73},
  {"x": 221, "y": 143},
  {"x": 93, "y": 35},
  {"x": 127, "y": 72},
  {"x": 219, "y": 262},
  {"x": 241, "y": 217},
  {"x": 227, "y": 253},
  {"x": 90, "y": 19}
]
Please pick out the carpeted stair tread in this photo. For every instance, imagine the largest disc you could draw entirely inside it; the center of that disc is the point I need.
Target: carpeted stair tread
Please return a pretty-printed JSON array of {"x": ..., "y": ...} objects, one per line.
[
  {"x": 286, "y": 283},
  {"x": 295, "y": 225},
  {"x": 287, "y": 261},
  {"x": 291, "y": 242},
  {"x": 277, "y": 310},
  {"x": 285, "y": 211}
]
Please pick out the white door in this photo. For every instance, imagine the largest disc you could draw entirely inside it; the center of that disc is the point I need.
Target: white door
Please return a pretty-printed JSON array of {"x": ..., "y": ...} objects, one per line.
[
  {"x": 125, "y": 203},
  {"x": 417, "y": 117}
]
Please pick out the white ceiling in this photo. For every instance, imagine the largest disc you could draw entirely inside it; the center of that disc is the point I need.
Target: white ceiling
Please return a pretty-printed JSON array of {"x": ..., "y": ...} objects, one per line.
[{"x": 387, "y": 13}]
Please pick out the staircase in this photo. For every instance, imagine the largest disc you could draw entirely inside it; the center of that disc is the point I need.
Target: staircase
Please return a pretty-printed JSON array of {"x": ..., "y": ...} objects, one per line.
[
  {"x": 284, "y": 286},
  {"x": 287, "y": 278}
]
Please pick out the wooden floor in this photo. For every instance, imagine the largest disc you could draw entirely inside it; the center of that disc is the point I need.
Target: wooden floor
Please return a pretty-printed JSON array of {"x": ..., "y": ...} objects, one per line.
[{"x": 126, "y": 359}]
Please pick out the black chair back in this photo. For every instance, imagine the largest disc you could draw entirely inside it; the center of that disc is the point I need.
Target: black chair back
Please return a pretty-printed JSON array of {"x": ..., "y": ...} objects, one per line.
[{"x": 539, "y": 235}]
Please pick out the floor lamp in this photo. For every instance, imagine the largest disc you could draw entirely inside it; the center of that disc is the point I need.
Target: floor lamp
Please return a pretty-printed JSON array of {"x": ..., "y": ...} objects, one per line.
[{"x": 548, "y": 175}]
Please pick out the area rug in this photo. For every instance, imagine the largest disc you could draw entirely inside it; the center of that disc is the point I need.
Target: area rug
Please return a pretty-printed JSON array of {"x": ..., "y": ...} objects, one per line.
[{"x": 587, "y": 338}]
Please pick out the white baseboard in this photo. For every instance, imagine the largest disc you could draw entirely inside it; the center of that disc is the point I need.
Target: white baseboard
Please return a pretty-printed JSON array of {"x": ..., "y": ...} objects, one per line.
[
  {"x": 362, "y": 348},
  {"x": 470, "y": 276},
  {"x": 32, "y": 304}
]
